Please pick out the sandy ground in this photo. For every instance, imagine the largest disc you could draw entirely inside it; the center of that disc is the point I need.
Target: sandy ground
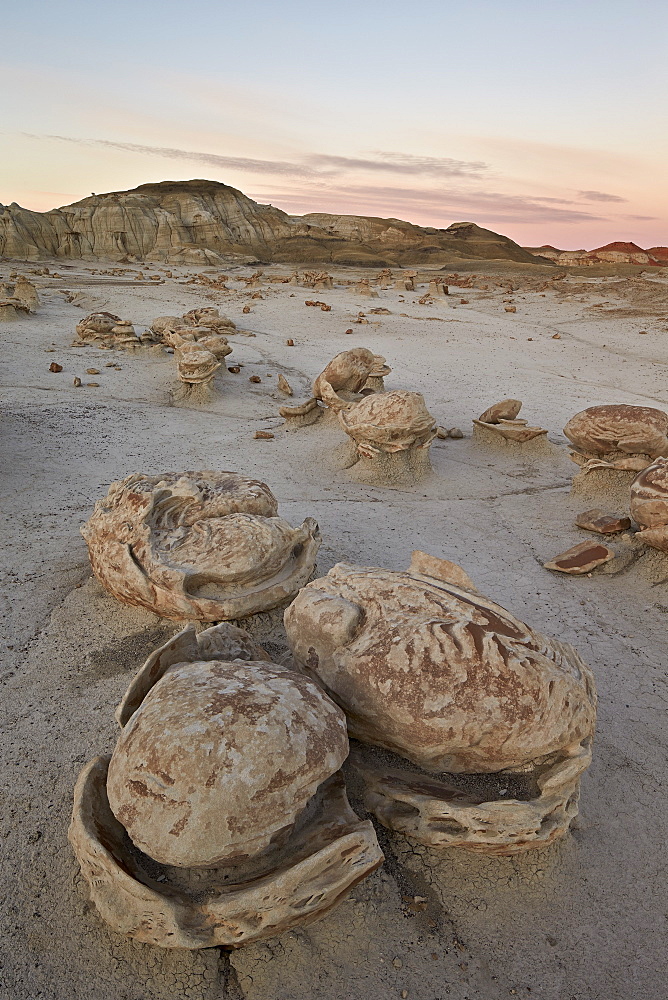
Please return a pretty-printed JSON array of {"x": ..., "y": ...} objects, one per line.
[{"x": 583, "y": 920}]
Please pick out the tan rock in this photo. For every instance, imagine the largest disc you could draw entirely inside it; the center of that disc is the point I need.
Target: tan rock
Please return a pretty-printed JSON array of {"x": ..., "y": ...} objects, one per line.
[
  {"x": 430, "y": 670},
  {"x": 284, "y": 385},
  {"x": 26, "y": 293},
  {"x": 275, "y": 829},
  {"x": 619, "y": 427},
  {"x": 512, "y": 430},
  {"x": 389, "y": 422},
  {"x": 347, "y": 373},
  {"x": 174, "y": 779},
  {"x": 581, "y": 558},
  {"x": 605, "y": 524},
  {"x": 207, "y": 546},
  {"x": 649, "y": 504},
  {"x": 195, "y": 364},
  {"x": 507, "y": 409}
]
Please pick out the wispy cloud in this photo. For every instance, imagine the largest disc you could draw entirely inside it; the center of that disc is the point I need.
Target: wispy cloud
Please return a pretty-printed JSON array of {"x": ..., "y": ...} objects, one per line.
[
  {"x": 317, "y": 164},
  {"x": 280, "y": 167},
  {"x": 599, "y": 196},
  {"x": 640, "y": 218},
  {"x": 490, "y": 205}
]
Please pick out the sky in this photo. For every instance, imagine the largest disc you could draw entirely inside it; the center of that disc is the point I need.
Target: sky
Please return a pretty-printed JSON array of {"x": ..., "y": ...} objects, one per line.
[{"x": 545, "y": 122}]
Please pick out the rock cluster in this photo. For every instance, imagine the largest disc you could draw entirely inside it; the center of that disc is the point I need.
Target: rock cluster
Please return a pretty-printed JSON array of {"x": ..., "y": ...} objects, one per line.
[{"x": 228, "y": 764}]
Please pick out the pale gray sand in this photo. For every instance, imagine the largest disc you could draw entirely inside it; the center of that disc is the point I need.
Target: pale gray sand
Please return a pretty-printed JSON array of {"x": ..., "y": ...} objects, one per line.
[{"x": 584, "y": 919}]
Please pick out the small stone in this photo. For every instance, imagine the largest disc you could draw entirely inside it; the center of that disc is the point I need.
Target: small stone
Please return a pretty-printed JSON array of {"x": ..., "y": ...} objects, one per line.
[
  {"x": 581, "y": 558},
  {"x": 456, "y": 433},
  {"x": 325, "y": 308},
  {"x": 404, "y": 994},
  {"x": 246, "y": 309},
  {"x": 93, "y": 385},
  {"x": 235, "y": 369},
  {"x": 510, "y": 309},
  {"x": 348, "y": 331},
  {"x": 529, "y": 338},
  {"x": 284, "y": 385},
  {"x": 604, "y": 524},
  {"x": 556, "y": 336},
  {"x": 441, "y": 433},
  {"x": 110, "y": 364},
  {"x": 76, "y": 382},
  {"x": 397, "y": 963},
  {"x": 55, "y": 367},
  {"x": 290, "y": 343},
  {"x": 463, "y": 302},
  {"x": 254, "y": 378},
  {"x": 263, "y": 435},
  {"x": 93, "y": 371},
  {"x": 640, "y": 332}
]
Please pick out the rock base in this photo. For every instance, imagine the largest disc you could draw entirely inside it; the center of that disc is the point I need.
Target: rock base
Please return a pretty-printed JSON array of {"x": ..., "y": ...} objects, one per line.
[{"x": 177, "y": 908}]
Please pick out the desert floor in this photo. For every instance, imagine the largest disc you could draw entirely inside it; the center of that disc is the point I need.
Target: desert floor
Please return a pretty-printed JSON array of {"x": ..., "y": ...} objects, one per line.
[{"x": 582, "y": 920}]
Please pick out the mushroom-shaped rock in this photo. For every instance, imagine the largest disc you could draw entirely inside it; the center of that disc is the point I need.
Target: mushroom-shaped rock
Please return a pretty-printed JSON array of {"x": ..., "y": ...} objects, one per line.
[
  {"x": 619, "y": 427},
  {"x": 201, "y": 545},
  {"x": 649, "y": 504},
  {"x": 389, "y": 422},
  {"x": 195, "y": 364},
  {"x": 348, "y": 372},
  {"x": 429, "y": 669},
  {"x": 228, "y": 764}
]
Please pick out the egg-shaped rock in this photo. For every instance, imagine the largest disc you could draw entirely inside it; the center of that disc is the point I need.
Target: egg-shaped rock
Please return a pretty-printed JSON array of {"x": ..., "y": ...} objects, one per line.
[
  {"x": 220, "y": 757},
  {"x": 436, "y": 672}
]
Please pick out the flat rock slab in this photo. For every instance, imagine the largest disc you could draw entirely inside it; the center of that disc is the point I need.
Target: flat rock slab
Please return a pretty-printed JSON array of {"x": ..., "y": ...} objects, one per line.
[
  {"x": 605, "y": 524},
  {"x": 581, "y": 558}
]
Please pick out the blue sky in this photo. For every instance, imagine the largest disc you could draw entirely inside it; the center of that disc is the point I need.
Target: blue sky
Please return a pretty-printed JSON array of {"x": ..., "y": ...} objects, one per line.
[{"x": 542, "y": 121}]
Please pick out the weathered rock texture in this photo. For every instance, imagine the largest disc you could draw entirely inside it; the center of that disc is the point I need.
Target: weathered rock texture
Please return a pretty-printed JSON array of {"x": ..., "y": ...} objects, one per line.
[
  {"x": 430, "y": 670},
  {"x": 501, "y": 421},
  {"x": 220, "y": 757},
  {"x": 347, "y": 374},
  {"x": 107, "y": 330},
  {"x": 618, "y": 435},
  {"x": 649, "y": 504},
  {"x": 227, "y": 764},
  {"x": 202, "y": 221},
  {"x": 200, "y": 545},
  {"x": 389, "y": 422}
]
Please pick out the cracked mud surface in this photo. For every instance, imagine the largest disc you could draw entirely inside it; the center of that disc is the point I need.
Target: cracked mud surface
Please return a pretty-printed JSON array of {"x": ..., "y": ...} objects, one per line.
[{"x": 584, "y": 919}]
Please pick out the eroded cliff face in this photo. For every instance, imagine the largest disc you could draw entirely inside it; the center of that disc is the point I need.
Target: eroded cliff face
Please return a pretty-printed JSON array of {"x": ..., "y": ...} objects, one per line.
[{"x": 195, "y": 222}]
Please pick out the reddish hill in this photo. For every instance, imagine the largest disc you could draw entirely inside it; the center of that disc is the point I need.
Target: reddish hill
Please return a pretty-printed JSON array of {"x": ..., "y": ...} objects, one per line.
[
  {"x": 619, "y": 247},
  {"x": 661, "y": 253}
]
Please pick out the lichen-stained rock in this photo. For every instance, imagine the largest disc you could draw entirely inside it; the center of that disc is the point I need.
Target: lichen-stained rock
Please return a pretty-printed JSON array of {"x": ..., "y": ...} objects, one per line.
[
  {"x": 389, "y": 422},
  {"x": 430, "y": 670},
  {"x": 198, "y": 545},
  {"x": 226, "y": 776},
  {"x": 649, "y": 504},
  {"x": 348, "y": 373},
  {"x": 220, "y": 757},
  {"x": 633, "y": 430},
  {"x": 437, "y": 673}
]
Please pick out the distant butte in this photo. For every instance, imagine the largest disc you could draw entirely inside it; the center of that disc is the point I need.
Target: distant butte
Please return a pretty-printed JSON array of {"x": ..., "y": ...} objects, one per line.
[{"x": 205, "y": 222}]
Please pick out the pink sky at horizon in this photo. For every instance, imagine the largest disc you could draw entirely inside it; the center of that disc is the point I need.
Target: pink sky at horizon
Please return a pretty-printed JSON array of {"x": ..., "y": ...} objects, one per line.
[{"x": 503, "y": 115}]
